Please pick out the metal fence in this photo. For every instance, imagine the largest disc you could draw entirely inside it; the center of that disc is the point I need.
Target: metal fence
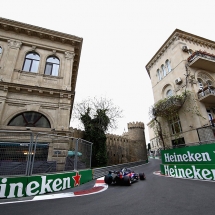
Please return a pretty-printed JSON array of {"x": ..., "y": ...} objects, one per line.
[{"x": 27, "y": 153}]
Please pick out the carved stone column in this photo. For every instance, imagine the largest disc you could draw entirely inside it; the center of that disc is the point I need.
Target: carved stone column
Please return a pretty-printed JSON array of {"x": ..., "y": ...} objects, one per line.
[
  {"x": 11, "y": 59},
  {"x": 69, "y": 56}
]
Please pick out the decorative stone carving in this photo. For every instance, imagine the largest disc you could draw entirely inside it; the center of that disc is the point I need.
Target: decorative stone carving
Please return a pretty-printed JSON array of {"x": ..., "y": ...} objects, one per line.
[
  {"x": 34, "y": 48},
  {"x": 69, "y": 55},
  {"x": 28, "y": 32},
  {"x": 14, "y": 44},
  {"x": 17, "y": 30}
]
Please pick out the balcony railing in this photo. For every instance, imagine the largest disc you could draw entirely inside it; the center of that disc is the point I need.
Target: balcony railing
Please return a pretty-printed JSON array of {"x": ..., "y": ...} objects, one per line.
[
  {"x": 202, "y": 60},
  {"x": 168, "y": 106},
  {"x": 207, "y": 95}
]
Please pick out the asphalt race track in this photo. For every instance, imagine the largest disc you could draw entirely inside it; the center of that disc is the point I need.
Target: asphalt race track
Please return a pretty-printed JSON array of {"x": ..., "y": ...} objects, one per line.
[{"x": 156, "y": 195}]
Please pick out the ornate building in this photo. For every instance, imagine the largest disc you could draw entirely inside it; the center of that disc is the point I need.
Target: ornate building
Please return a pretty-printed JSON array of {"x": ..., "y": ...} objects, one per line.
[
  {"x": 38, "y": 74},
  {"x": 182, "y": 74}
]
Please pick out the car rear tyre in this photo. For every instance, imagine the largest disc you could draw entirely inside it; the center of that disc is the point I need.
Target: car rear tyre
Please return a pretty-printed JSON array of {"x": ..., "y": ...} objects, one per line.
[
  {"x": 108, "y": 179},
  {"x": 127, "y": 181},
  {"x": 142, "y": 176}
]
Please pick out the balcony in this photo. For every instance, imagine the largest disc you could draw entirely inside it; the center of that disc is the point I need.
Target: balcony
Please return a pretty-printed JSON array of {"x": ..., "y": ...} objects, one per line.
[
  {"x": 202, "y": 60},
  {"x": 207, "y": 95},
  {"x": 168, "y": 106}
]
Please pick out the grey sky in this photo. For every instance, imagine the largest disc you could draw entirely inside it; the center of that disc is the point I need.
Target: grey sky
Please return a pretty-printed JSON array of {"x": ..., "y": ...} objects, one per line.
[{"x": 119, "y": 38}]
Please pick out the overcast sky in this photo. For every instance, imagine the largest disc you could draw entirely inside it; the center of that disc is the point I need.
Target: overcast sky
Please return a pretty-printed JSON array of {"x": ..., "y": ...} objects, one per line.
[{"x": 119, "y": 39}]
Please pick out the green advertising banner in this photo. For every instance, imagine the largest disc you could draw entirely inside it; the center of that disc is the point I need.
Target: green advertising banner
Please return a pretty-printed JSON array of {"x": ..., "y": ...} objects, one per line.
[
  {"x": 194, "y": 162},
  {"x": 12, "y": 187},
  {"x": 201, "y": 154},
  {"x": 197, "y": 171}
]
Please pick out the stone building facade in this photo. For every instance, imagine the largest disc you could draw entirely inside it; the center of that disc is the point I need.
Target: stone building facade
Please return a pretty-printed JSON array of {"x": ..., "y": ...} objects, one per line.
[
  {"x": 184, "y": 63},
  {"x": 38, "y": 74}
]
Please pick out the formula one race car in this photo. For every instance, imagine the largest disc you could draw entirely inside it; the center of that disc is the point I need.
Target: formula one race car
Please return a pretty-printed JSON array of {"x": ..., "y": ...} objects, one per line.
[{"x": 123, "y": 177}]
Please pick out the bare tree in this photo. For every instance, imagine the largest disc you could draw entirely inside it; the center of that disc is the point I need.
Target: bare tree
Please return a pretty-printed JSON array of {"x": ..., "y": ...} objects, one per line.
[{"x": 93, "y": 105}]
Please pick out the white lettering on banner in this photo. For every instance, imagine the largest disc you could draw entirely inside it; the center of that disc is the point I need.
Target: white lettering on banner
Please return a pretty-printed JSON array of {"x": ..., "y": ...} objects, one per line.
[
  {"x": 179, "y": 158},
  {"x": 189, "y": 173},
  {"x": 188, "y": 156},
  {"x": 196, "y": 173},
  {"x": 64, "y": 183},
  {"x": 205, "y": 173},
  {"x": 3, "y": 188},
  {"x": 185, "y": 157},
  {"x": 213, "y": 172},
  {"x": 176, "y": 172},
  {"x": 13, "y": 189},
  {"x": 181, "y": 173},
  {"x": 198, "y": 157},
  {"x": 171, "y": 158},
  {"x": 45, "y": 186},
  {"x": 57, "y": 183},
  {"x": 166, "y": 155},
  {"x": 40, "y": 186},
  {"x": 193, "y": 172},
  {"x": 172, "y": 172},
  {"x": 166, "y": 169},
  {"x": 31, "y": 187},
  {"x": 206, "y": 157}
]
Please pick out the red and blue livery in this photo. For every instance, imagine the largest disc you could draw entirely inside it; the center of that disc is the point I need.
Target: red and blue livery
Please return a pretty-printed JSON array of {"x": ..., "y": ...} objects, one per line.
[{"x": 123, "y": 177}]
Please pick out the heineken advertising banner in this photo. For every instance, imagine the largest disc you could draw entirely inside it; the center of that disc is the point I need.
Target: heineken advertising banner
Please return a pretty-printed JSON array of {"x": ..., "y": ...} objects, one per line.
[
  {"x": 196, "y": 162},
  {"x": 12, "y": 187}
]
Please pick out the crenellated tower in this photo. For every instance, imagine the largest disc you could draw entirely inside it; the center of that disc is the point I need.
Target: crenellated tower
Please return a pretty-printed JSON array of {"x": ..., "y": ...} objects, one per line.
[{"x": 136, "y": 131}]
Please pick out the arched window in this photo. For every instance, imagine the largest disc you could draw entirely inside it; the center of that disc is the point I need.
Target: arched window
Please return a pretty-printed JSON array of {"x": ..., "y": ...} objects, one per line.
[
  {"x": 163, "y": 70},
  {"x": 209, "y": 83},
  {"x": 31, "y": 63},
  {"x": 200, "y": 82},
  {"x": 30, "y": 119},
  {"x": 159, "y": 74},
  {"x": 168, "y": 66},
  {"x": 169, "y": 93},
  {"x": 0, "y": 49},
  {"x": 52, "y": 66}
]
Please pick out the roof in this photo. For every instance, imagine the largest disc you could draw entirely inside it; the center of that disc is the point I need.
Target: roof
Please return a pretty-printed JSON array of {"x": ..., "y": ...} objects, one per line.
[{"x": 178, "y": 34}]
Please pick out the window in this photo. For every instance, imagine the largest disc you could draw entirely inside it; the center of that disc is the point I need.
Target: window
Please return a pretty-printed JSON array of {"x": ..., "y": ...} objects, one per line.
[
  {"x": 159, "y": 74},
  {"x": 200, "y": 83},
  {"x": 177, "y": 143},
  {"x": 168, "y": 66},
  {"x": 0, "y": 49},
  {"x": 175, "y": 124},
  {"x": 52, "y": 66},
  {"x": 31, "y": 63},
  {"x": 164, "y": 70},
  {"x": 30, "y": 119},
  {"x": 169, "y": 93},
  {"x": 209, "y": 83},
  {"x": 210, "y": 117}
]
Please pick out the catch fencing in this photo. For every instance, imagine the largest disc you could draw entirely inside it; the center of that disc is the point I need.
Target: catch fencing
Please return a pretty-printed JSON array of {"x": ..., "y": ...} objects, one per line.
[{"x": 28, "y": 153}]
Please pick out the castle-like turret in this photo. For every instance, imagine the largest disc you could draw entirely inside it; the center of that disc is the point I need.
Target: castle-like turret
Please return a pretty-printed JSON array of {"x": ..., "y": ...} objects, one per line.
[{"x": 136, "y": 131}]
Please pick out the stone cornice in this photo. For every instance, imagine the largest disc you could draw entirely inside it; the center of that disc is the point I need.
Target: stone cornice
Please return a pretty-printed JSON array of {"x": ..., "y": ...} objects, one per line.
[
  {"x": 42, "y": 90},
  {"x": 30, "y": 30},
  {"x": 179, "y": 35}
]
